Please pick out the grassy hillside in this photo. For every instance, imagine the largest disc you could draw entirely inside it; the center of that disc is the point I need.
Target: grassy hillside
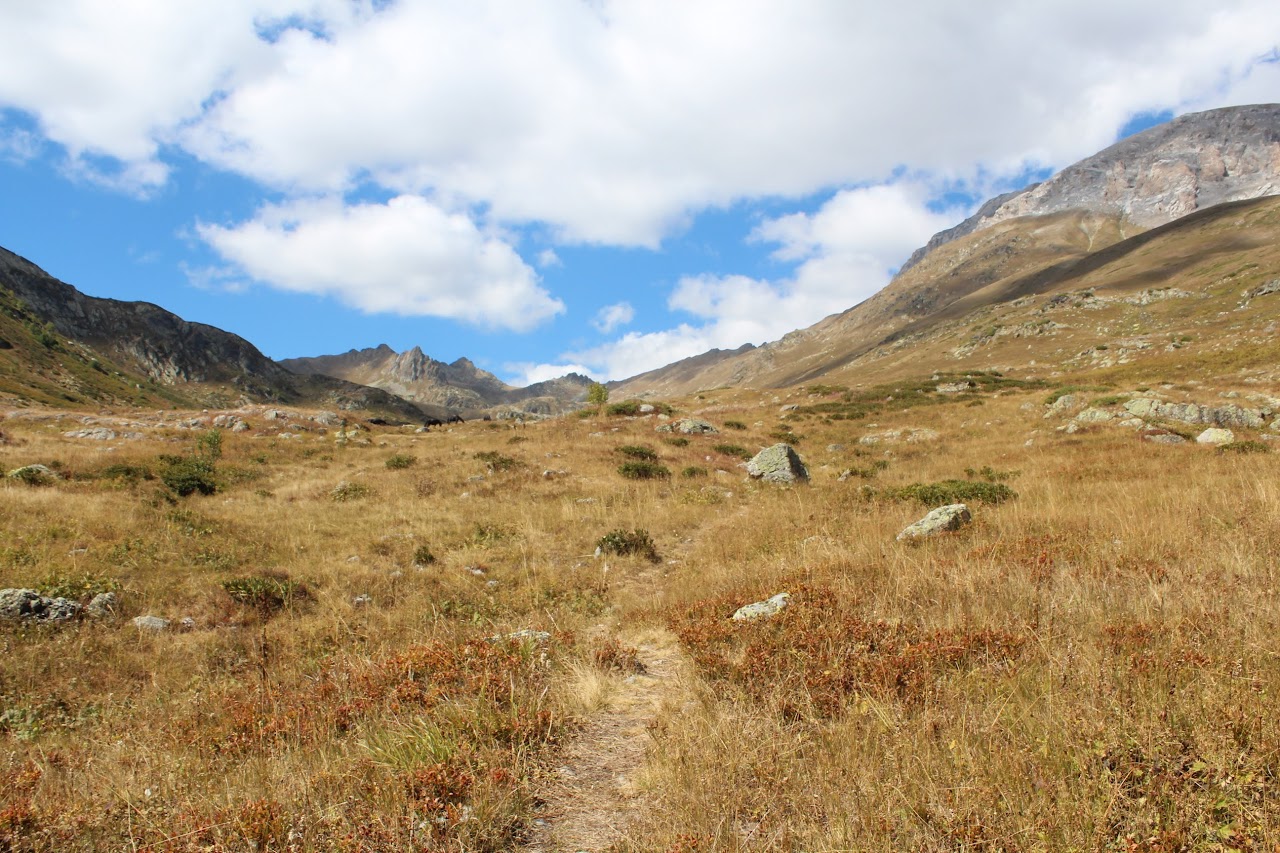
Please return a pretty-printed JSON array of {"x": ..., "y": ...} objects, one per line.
[{"x": 1088, "y": 665}]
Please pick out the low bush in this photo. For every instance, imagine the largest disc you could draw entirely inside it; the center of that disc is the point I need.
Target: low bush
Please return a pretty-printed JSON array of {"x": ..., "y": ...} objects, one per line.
[
  {"x": 266, "y": 593},
  {"x": 640, "y": 470},
  {"x": 637, "y": 451},
  {"x": 677, "y": 441},
  {"x": 423, "y": 556},
  {"x": 1247, "y": 446},
  {"x": 952, "y": 491},
  {"x": 345, "y": 491},
  {"x": 189, "y": 475},
  {"x": 739, "y": 425},
  {"x": 628, "y": 542},
  {"x": 400, "y": 461},
  {"x": 733, "y": 450},
  {"x": 693, "y": 471},
  {"x": 496, "y": 461},
  {"x": 128, "y": 473}
]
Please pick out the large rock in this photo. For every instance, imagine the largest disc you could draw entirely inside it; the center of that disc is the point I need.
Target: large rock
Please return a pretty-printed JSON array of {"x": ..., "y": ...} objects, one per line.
[
  {"x": 1094, "y": 416},
  {"x": 153, "y": 624},
  {"x": 1215, "y": 436},
  {"x": 941, "y": 520},
  {"x": 94, "y": 433},
  {"x": 693, "y": 426},
  {"x": 763, "y": 609},
  {"x": 778, "y": 464},
  {"x": 103, "y": 605},
  {"x": 35, "y": 475}
]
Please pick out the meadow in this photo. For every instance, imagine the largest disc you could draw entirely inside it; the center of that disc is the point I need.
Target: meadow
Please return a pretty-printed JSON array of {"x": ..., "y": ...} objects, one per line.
[{"x": 400, "y": 640}]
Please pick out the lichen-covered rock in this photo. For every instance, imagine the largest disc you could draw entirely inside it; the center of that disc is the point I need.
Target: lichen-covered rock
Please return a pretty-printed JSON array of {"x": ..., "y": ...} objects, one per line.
[
  {"x": 941, "y": 520},
  {"x": 150, "y": 623},
  {"x": 30, "y": 604},
  {"x": 694, "y": 426},
  {"x": 1162, "y": 436},
  {"x": 1216, "y": 436},
  {"x": 103, "y": 605},
  {"x": 763, "y": 609},
  {"x": 778, "y": 464},
  {"x": 1094, "y": 416}
]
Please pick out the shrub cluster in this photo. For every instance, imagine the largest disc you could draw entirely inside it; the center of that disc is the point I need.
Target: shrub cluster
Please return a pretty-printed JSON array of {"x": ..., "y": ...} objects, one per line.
[
  {"x": 496, "y": 461},
  {"x": 952, "y": 491},
  {"x": 266, "y": 593},
  {"x": 733, "y": 450},
  {"x": 637, "y": 451},
  {"x": 400, "y": 461},
  {"x": 641, "y": 470},
  {"x": 626, "y": 542}
]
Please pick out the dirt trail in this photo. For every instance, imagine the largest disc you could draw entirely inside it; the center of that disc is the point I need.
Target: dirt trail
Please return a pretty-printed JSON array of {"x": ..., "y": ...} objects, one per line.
[{"x": 592, "y": 798}]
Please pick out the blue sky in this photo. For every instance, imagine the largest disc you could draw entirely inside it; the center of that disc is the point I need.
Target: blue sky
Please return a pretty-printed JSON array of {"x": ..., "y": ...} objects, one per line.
[{"x": 598, "y": 185}]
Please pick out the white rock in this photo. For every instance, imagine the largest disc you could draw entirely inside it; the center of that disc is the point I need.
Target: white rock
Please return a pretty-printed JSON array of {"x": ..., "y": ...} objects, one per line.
[{"x": 763, "y": 609}]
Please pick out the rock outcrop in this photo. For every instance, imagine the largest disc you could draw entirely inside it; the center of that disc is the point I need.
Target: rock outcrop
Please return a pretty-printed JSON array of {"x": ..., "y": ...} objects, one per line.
[
  {"x": 944, "y": 519},
  {"x": 778, "y": 464}
]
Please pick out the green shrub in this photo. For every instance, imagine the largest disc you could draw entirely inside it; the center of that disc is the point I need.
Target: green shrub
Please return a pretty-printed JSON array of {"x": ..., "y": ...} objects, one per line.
[
  {"x": 33, "y": 475},
  {"x": 80, "y": 586},
  {"x": 129, "y": 473},
  {"x": 400, "y": 461},
  {"x": 1109, "y": 400},
  {"x": 641, "y": 470},
  {"x": 209, "y": 445},
  {"x": 345, "y": 491},
  {"x": 623, "y": 542},
  {"x": 693, "y": 471},
  {"x": 952, "y": 491},
  {"x": 677, "y": 441},
  {"x": 496, "y": 461},
  {"x": 187, "y": 475},
  {"x": 991, "y": 475},
  {"x": 636, "y": 451},
  {"x": 597, "y": 394},
  {"x": 423, "y": 556},
  {"x": 1247, "y": 446},
  {"x": 632, "y": 408},
  {"x": 267, "y": 593},
  {"x": 785, "y": 435},
  {"x": 733, "y": 450},
  {"x": 734, "y": 425}
]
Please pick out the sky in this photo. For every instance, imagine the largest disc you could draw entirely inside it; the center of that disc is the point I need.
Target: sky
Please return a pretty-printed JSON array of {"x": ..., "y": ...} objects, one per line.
[{"x": 545, "y": 186}]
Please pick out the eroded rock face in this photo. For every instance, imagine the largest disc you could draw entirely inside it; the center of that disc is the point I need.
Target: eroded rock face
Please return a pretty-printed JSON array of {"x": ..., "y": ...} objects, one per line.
[
  {"x": 941, "y": 520},
  {"x": 1193, "y": 162},
  {"x": 778, "y": 464}
]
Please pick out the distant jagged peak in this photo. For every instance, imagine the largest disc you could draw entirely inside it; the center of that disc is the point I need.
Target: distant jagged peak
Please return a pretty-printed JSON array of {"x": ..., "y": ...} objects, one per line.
[{"x": 1195, "y": 161}]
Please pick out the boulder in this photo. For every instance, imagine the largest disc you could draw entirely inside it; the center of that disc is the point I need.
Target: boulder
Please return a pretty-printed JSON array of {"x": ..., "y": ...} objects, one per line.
[
  {"x": 154, "y": 624},
  {"x": 763, "y": 609},
  {"x": 956, "y": 387},
  {"x": 778, "y": 464},
  {"x": 1216, "y": 436},
  {"x": 329, "y": 419},
  {"x": 694, "y": 426},
  {"x": 941, "y": 520}
]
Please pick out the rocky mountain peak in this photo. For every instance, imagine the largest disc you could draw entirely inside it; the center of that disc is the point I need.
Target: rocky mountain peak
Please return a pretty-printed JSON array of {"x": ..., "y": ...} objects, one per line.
[{"x": 1195, "y": 161}]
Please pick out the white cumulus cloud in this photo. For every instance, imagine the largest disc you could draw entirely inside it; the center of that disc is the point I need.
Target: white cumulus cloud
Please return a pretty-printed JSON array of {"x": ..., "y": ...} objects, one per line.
[
  {"x": 611, "y": 317},
  {"x": 407, "y": 256}
]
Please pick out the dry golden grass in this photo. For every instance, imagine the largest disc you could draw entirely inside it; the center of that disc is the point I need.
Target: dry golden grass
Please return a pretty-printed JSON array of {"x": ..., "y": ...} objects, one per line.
[{"x": 1091, "y": 665}]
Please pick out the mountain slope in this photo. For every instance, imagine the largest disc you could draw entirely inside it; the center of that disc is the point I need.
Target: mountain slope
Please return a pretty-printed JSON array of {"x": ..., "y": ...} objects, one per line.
[
  {"x": 1008, "y": 248},
  {"x": 459, "y": 386},
  {"x": 65, "y": 346}
]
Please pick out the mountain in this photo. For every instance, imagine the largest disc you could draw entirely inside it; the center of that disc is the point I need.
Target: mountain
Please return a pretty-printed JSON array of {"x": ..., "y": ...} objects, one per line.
[
  {"x": 1049, "y": 238},
  {"x": 58, "y": 345},
  {"x": 460, "y": 386}
]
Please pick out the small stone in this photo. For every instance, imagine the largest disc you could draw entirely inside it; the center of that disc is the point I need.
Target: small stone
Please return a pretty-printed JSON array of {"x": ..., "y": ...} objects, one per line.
[
  {"x": 103, "y": 605},
  {"x": 646, "y": 409},
  {"x": 150, "y": 623},
  {"x": 763, "y": 609},
  {"x": 835, "y": 448},
  {"x": 361, "y": 601}
]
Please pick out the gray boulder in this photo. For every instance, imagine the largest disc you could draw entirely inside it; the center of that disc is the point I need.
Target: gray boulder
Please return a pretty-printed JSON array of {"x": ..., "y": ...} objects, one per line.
[
  {"x": 1094, "y": 416},
  {"x": 154, "y": 624},
  {"x": 30, "y": 604},
  {"x": 763, "y": 609},
  {"x": 778, "y": 464},
  {"x": 941, "y": 520},
  {"x": 694, "y": 426}
]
